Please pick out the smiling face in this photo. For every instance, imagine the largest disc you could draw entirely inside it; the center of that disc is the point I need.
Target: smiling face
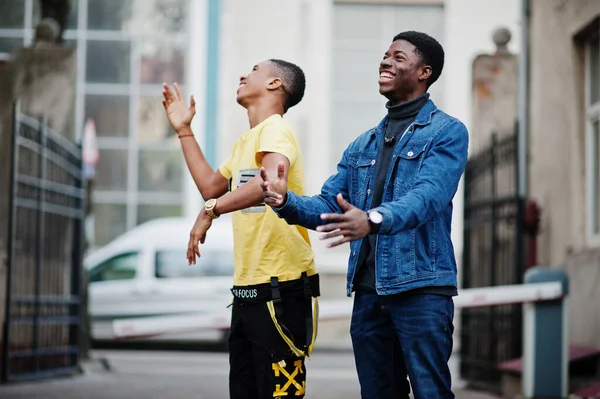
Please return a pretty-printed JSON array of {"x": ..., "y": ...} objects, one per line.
[
  {"x": 257, "y": 83},
  {"x": 402, "y": 73}
]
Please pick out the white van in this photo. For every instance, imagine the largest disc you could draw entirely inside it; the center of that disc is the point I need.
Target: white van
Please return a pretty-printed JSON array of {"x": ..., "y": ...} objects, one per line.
[{"x": 145, "y": 272}]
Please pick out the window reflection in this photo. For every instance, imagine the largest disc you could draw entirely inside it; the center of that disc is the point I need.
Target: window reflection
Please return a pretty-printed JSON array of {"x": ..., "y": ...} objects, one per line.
[
  {"x": 110, "y": 114},
  {"x": 160, "y": 170},
  {"x": 121, "y": 267},
  {"x": 108, "y": 62},
  {"x": 12, "y": 14},
  {"x": 152, "y": 121},
  {"x": 109, "y": 14},
  {"x": 9, "y": 45},
  {"x": 150, "y": 16},
  {"x": 111, "y": 172},
  {"x": 162, "y": 62}
]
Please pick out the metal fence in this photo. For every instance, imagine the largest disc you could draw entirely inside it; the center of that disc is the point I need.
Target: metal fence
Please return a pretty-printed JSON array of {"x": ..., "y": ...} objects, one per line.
[
  {"x": 43, "y": 305},
  {"x": 493, "y": 255}
]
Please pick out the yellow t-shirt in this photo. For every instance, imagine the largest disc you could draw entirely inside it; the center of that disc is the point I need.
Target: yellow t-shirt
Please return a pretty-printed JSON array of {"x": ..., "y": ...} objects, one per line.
[{"x": 264, "y": 244}]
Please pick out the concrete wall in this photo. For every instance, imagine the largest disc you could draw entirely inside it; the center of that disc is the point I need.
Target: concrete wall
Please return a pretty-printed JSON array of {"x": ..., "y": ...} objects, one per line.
[{"x": 557, "y": 154}]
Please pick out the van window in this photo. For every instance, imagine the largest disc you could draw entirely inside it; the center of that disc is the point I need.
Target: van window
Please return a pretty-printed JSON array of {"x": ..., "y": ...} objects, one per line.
[
  {"x": 120, "y": 267},
  {"x": 173, "y": 264}
]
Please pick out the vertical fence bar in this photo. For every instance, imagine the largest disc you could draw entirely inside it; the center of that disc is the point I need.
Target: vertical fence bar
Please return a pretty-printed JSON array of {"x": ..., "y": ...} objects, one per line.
[
  {"x": 492, "y": 314},
  {"x": 12, "y": 214},
  {"x": 520, "y": 236},
  {"x": 39, "y": 253},
  {"x": 517, "y": 318},
  {"x": 76, "y": 288}
]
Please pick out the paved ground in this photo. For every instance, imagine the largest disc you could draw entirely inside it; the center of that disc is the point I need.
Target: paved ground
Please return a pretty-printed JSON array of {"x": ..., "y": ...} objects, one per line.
[{"x": 183, "y": 375}]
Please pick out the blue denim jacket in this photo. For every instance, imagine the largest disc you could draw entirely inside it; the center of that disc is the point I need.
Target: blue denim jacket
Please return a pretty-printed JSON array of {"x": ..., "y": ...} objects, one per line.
[{"x": 413, "y": 248}]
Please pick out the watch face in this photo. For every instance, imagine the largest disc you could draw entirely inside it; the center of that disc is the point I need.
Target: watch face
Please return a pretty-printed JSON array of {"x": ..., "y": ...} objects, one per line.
[{"x": 376, "y": 217}]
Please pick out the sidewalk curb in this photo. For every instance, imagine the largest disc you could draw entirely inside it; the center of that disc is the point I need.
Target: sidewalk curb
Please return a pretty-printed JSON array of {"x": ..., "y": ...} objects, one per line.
[{"x": 95, "y": 365}]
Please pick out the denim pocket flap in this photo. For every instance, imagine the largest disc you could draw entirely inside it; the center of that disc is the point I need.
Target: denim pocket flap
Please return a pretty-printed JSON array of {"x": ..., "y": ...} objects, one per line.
[
  {"x": 412, "y": 151},
  {"x": 361, "y": 160}
]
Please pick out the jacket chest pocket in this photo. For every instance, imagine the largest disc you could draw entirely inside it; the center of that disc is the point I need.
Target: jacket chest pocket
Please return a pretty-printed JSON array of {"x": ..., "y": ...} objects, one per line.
[
  {"x": 362, "y": 167},
  {"x": 408, "y": 165}
]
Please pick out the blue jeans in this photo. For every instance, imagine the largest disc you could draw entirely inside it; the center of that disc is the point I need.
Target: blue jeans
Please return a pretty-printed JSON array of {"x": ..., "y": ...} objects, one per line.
[{"x": 400, "y": 336}]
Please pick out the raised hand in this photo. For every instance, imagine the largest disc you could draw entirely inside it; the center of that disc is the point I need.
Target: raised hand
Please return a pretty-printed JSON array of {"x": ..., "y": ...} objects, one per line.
[
  {"x": 351, "y": 225},
  {"x": 179, "y": 114},
  {"x": 274, "y": 190}
]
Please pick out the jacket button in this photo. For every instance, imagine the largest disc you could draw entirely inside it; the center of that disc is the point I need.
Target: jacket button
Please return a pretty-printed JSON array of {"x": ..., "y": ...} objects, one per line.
[
  {"x": 368, "y": 191},
  {"x": 410, "y": 153},
  {"x": 373, "y": 162}
]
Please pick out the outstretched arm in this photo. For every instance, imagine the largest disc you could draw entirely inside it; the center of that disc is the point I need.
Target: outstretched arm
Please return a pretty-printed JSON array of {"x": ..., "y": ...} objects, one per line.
[
  {"x": 210, "y": 183},
  {"x": 249, "y": 194},
  {"x": 302, "y": 210},
  {"x": 436, "y": 185}
]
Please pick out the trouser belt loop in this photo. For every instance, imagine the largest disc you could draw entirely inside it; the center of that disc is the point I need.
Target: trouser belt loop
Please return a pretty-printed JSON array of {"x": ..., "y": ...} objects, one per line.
[
  {"x": 276, "y": 296},
  {"x": 307, "y": 286}
]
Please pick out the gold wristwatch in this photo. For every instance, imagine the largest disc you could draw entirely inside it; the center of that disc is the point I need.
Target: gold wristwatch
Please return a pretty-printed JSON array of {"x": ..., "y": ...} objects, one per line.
[{"x": 209, "y": 207}]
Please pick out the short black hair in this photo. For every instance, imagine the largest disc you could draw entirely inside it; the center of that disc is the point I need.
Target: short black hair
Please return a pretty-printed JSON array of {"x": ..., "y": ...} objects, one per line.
[
  {"x": 429, "y": 49},
  {"x": 294, "y": 82}
]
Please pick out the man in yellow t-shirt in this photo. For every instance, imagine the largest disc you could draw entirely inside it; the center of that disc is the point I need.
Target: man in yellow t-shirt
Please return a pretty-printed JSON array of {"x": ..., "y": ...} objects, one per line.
[{"x": 275, "y": 276}]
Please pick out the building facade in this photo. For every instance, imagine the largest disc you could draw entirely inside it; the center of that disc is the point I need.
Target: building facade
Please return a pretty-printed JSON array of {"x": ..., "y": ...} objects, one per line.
[
  {"x": 564, "y": 155},
  {"x": 127, "y": 48}
]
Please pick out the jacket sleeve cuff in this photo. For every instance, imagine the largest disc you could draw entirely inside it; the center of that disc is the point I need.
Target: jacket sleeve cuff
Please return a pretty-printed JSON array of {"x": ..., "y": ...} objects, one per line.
[
  {"x": 388, "y": 219},
  {"x": 288, "y": 206}
]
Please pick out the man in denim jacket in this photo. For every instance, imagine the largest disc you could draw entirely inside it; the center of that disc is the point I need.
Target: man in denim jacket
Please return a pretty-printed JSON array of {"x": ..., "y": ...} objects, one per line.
[{"x": 391, "y": 199}]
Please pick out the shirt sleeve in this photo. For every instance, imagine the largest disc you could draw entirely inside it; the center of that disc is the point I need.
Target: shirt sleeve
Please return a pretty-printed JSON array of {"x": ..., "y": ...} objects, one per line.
[
  {"x": 280, "y": 138},
  {"x": 225, "y": 168}
]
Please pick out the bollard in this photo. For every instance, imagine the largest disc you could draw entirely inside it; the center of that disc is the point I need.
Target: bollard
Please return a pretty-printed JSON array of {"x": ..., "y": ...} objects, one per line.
[{"x": 545, "y": 339}]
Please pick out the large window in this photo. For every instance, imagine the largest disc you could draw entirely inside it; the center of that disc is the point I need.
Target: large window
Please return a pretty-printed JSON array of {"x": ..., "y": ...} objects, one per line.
[
  {"x": 362, "y": 34},
  {"x": 125, "y": 50},
  {"x": 132, "y": 46},
  {"x": 593, "y": 136}
]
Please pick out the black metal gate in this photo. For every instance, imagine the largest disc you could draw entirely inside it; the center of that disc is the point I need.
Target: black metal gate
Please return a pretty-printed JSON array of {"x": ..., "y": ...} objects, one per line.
[
  {"x": 43, "y": 306},
  {"x": 493, "y": 255}
]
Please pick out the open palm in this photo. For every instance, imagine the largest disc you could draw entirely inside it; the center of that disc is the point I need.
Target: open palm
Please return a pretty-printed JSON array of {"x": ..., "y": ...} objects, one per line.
[{"x": 179, "y": 114}]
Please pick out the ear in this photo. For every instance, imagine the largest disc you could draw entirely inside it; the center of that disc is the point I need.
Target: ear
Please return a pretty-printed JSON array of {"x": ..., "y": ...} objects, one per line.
[
  {"x": 274, "y": 83},
  {"x": 425, "y": 73}
]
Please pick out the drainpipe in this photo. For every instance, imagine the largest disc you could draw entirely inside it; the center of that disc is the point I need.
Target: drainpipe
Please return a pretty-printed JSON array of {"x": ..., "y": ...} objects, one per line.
[
  {"x": 212, "y": 81},
  {"x": 523, "y": 100}
]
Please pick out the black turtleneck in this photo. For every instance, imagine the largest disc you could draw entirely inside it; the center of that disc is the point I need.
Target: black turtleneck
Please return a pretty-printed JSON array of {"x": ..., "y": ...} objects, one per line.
[{"x": 399, "y": 119}]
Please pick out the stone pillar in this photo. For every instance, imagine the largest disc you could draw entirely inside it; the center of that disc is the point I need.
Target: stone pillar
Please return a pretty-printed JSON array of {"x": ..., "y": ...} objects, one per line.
[
  {"x": 495, "y": 86},
  {"x": 42, "y": 78}
]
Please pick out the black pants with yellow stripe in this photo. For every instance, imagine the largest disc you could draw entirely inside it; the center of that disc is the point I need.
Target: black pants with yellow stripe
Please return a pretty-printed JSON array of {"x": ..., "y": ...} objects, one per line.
[{"x": 261, "y": 363}]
